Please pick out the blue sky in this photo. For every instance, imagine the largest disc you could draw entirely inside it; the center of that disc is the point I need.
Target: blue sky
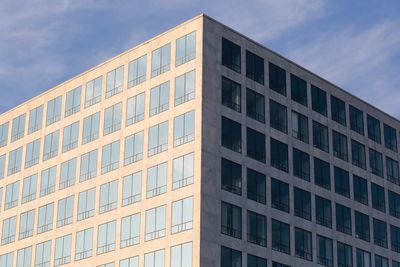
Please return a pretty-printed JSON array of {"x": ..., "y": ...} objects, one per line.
[{"x": 354, "y": 44}]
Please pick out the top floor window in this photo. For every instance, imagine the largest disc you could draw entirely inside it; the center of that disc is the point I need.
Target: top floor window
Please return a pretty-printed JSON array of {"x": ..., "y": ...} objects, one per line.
[
  {"x": 318, "y": 100},
  {"x": 115, "y": 80},
  {"x": 277, "y": 79},
  {"x": 35, "y": 119},
  {"x": 160, "y": 60},
  {"x": 390, "y": 137},
  {"x": 137, "y": 71},
  {"x": 18, "y": 127},
  {"x": 338, "y": 110},
  {"x": 298, "y": 88},
  {"x": 356, "y": 120},
  {"x": 4, "y": 134},
  {"x": 73, "y": 101},
  {"x": 93, "y": 92},
  {"x": 231, "y": 55},
  {"x": 185, "y": 48},
  {"x": 53, "y": 110},
  {"x": 374, "y": 129},
  {"x": 254, "y": 67}
]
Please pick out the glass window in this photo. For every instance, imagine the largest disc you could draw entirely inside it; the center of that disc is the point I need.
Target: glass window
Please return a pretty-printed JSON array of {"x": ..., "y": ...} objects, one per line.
[
  {"x": 339, "y": 144},
  {"x": 231, "y": 55},
  {"x": 160, "y": 60},
  {"x": 298, "y": 88},
  {"x": 302, "y": 203},
  {"x": 279, "y": 195},
  {"x": 115, "y": 80},
  {"x": 318, "y": 100},
  {"x": 255, "y": 67},
  {"x": 356, "y": 120},
  {"x": 110, "y": 157},
  {"x": 86, "y": 202},
  {"x": 395, "y": 238},
  {"x": 6, "y": 260},
  {"x": 130, "y": 262},
  {"x": 277, "y": 79},
  {"x": 277, "y": 116},
  {"x": 26, "y": 221},
  {"x": 255, "y": 105},
  {"x": 53, "y": 110},
  {"x": 91, "y": 128},
  {"x": 183, "y": 171},
  {"x": 29, "y": 188},
  {"x": 395, "y": 263},
  {"x": 378, "y": 197},
  {"x": 390, "y": 137},
  {"x": 300, "y": 127},
  {"x": 323, "y": 210},
  {"x": 65, "y": 211},
  {"x": 130, "y": 230},
  {"x": 360, "y": 187},
  {"x": 362, "y": 226},
  {"x": 14, "y": 161},
  {"x": 182, "y": 215},
  {"x": 108, "y": 196},
  {"x": 43, "y": 253},
  {"x": 343, "y": 219},
  {"x": 374, "y": 129},
  {"x": 45, "y": 220},
  {"x": 185, "y": 48},
  {"x": 32, "y": 153},
  {"x": 320, "y": 136},
  {"x": 231, "y": 94},
  {"x": 155, "y": 223},
  {"x": 279, "y": 155},
  {"x": 375, "y": 162},
  {"x": 342, "y": 183},
  {"x": 181, "y": 255},
  {"x": 12, "y": 194},
  {"x": 106, "y": 237},
  {"x": 358, "y": 154},
  {"x": 23, "y": 257},
  {"x": 324, "y": 251},
  {"x": 112, "y": 119},
  {"x": 154, "y": 259},
  {"x": 133, "y": 148},
  {"x": 280, "y": 236},
  {"x": 131, "y": 188},
  {"x": 8, "y": 230},
  {"x": 184, "y": 128},
  {"x": 338, "y": 110},
  {"x": 62, "y": 254},
  {"x": 137, "y": 71},
  {"x": 156, "y": 180},
  {"x": 88, "y": 167},
  {"x": 301, "y": 164},
  {"x": 159, "y": 98},
  {"x": 73, "y": 101},
  {"x": 4, "y": 134},
  {"x": 68, "y": 173},
  {"x": 185, "y": 87},
  {"x": 2, "y": 165},
  {"x": 50, "y": 147},
  {"x": 35, "y": 119},
  {"x": 135, "y": 109},
  {"x": 392, "y": 171},
  {"x": 231, "y": 135},
  {"x": 394, "y": 204},
  {"x": 344, "y": 255},
  {"x": 380, "y": 233},
  {"x": 93, "y": 92},
  {"x": 363, "y": 258},
  {"x": 254, "y": 261},
  {"x": 70, "y": 137},
  {"x": 256, "y": 186},
  {"x": 255, "y": 145},
  {"x": 231, "y": 176},
  {"x": 381, "y": 261},
  {"x": 256, "y": 228},
  {"x": 231, "y": 220},
  {"x": 48, "y": 181},
  {"x": 84, "y": 244},
  {"x": 303, "y": 244},
  {"x": 158, "y": 138},
  {"x": 18, "y": 127}
]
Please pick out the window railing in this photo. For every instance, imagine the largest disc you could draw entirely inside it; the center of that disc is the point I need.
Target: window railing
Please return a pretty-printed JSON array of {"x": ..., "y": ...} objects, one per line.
[
  {"x": 280, "y": 205},
  {"x": 362, "y": 199},
  {"x": 133, "y": 159},
  {"x": 340, "y": 154},
  {"x": 32, "y": 162},
  {"x": 92, "y": 101},
  {"x": 114, "y": 91},
  {"x": 344, "y": 191},
  {"x": 305, "y": 175},
  {"x": 13, "y": 170},
  {"x": 108, "y": 207},
  {"x": 3, "y": 142},
  {"x": 85, "y": 214},
  {"x": 394, "y": 212},
  {"x": 67, "y": 183},
  {"x": 83, "y": 254},
  {"x": 345, "y": 264},
  {"x": 70, "y": 146},
  {"x": 185, "y": 58},
  {"x": 112, "y": 128},
  {"x": 50, "y": 155},
  {"x": 322, "y": 146},
  {"x": 356, "y": 127},
  {"x": 17, "y": 136},
  {"x": 302, "y": 254},
  {"x": 156, "y": 191},
  {"x": 183, "y": 139},
  {"x": 7, "y": 239},
  {"x": 43, "y": 264},
  {"x": 45, "y": 227},
  {"x": 89, "y": 138},
  {"x": 53, "y": 120},
  {"x": 343, "y": 228},
  {"x": 34, "y": 128},
  {"x": 302, "y": 214},
  {"x": 301, "y": 136},
  {"x": 228, "y": 230},
  {"x": 392, "y": 179},
  {"x": 155, "y": 234},
  {"x": 10, "y": 204},
  {"x": 256, "y": 154},
  {"x": 325, "y": 261},
  {"x": 232, "y": 188},
  {"x": 277, "y": 163},
  {"x": 135, "y": 119},
  {"x": 278, "y": 125},
  {"x": 256, "y": 239},
  {"x": 380, "y": 242},
  {"x": 25, "y": 234},
  {"x": 324, "y": 221},
  {"x": 186, "y": 97},
  {"x": 232, "y": 105},
  {"x": 359, "y": 163},
  {"x": 136, "y": 81},
  {"x": 159, "y": 109},
  {"x": 160, "y": 70},
  {"x": 47, "y": 190},
  {"x": 106, "y": 248},
  {"x": 72, "y": 110},
  {"x": 395, "y": 247},
  {"x": 278, "y": 246},
  {"x": 182, "y": 182},
  {"x": 29, "y": 197},
  {"x": 379, "y": 205},
  {"x": 87, "y": 176},
  {"x": 131, "y": 199},
  {"x": 157, "y": 149},
  {"x": 256, "y": 197},
  {"x": 362, "y": 235},
  {"x": 64, "y": 221},
  {"x": 109, "y": 167},
  {"x": 129, "y": 241},
  {"x": 62, "y": 260},
  {"x": 181, "y": 227}
]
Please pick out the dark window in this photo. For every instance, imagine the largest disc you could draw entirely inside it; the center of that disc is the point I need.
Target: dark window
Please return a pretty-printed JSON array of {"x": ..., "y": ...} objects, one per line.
[
  {"x": 320, "y": 136},
  {"x": 231, "y": 176},
  {"x": 277, "y": 116},
  {"x": 231, "y": 55},
  {"x": 279, "y": 195},
  {"x": 298, "y": 89},
  {"x": 277, "y": 79},
  {"x": 378, "y": 197},
  {"x": 339, "y": 144},
  {"x": 254, "y": 261},
  {"x": 381, "y": 261},
  {"x": 230, "y": 257},
  {"x": 394, "y": 204},
  {"x": 279, "y": 155},
  {"x": 390, "y": 137},
  {"x": 277, "y": 264},
  {"x": 375, "y": 162},
  {"x": 374, "y": 129},
  {"x": 231, "y": 220},
  {"x": 342, "y": 183},
  {"x": 380, "y": 233},
  {"x": 231, "y": 94},
  {"x": 324, "y": 251},
  {"x": 360, "y": 188},
  {"x": 303, "y": 244},
  {"x": 358, "y": 154},
  {"x": 344, "y": 255},
  {"x": 322, "y": 175},
  {"x": 323, "y": 210},
  {"x": 395, "y": 238},
  {"x": 256, "y": 186},
  {"x": 254, "y": 67},
  {"x": 318, "y": 100},
  {"x": 255, "y": 145},
  {"x": 301, "y": 164},
  {"x": 302, "y": 204},
  {"x": 280, "y": 236},
  {"x": 338, "y": 110},
  {"x": 231, "y": 135},
  {"x": 363, "y": 258},
  {"x": 392, "y": 171},
  {"x": 362, "y": 226},
  {"x": 300, "y": 127},
  {"x": 255, "y": 105},
  {"x": 343, "y": 219},
  {"x": 356, "y": 120},
  {"x": 256, "y": 228}
]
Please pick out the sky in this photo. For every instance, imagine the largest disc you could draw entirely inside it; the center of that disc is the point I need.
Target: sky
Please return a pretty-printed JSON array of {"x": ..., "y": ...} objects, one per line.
[{"x": 353, "y": 44}]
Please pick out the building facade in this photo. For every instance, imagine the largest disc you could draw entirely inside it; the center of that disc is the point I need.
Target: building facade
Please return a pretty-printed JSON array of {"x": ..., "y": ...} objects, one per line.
[{"x": 199, "y": 147}]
